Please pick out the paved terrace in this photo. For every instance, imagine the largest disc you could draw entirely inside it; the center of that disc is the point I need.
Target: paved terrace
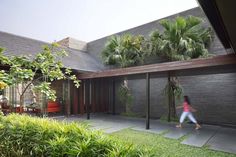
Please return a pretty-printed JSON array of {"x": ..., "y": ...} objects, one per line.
[{"x": 216, "y": 137}]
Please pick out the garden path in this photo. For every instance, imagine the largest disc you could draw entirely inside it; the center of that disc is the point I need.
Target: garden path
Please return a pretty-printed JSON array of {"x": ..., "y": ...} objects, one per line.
[{"x": 216, "y": 137}]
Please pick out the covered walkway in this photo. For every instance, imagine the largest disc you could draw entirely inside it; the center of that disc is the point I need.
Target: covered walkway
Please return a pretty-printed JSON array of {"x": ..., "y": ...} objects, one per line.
[{"x": 203, "y": 66}]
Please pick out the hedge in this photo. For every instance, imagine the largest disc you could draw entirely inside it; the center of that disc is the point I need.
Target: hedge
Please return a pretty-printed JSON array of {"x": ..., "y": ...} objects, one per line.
[{"x": 24, "y": 136}]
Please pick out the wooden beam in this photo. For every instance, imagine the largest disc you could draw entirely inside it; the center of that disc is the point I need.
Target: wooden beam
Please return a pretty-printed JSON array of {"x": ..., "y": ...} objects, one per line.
[{"x": 216, "y": 61}]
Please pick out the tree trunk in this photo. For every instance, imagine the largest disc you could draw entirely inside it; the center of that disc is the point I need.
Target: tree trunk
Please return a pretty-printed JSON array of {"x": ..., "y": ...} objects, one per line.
[
  {"x": 171, "y": 99},
  {"x": 173, "y": 80},
  {"x": 125, "y": 83},
  {"x": 172, "y": 105}
]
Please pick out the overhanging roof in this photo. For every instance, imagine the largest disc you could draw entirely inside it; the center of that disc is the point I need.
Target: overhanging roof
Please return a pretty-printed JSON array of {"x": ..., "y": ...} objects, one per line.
[
  {"x": 216, "y": 61},
  {"x": 18, "y": 45},
  {"x": 221, "y": 15}
]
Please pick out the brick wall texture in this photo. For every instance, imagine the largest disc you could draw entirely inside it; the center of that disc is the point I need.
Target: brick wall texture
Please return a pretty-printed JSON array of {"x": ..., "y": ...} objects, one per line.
[{"x": 213, "y": 95}]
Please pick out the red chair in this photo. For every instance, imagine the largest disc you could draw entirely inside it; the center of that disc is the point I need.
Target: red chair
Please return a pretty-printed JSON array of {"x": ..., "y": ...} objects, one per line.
[{"x": 53, "y": 107}]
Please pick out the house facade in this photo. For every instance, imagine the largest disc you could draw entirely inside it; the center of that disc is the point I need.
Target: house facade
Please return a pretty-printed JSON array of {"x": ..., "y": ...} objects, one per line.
[{"x": 213, "y": 95}]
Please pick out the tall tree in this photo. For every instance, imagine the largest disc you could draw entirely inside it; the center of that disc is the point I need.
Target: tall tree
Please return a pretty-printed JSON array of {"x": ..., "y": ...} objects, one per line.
[
  {"x": 26, "y": 70},
  {"x": 124, "y": 51},
  {"x": 181, "y": 39}
]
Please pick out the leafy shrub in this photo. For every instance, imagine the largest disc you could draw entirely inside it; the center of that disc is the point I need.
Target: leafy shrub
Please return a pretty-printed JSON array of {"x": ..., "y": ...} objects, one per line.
[{"x": 22, "y": 135}]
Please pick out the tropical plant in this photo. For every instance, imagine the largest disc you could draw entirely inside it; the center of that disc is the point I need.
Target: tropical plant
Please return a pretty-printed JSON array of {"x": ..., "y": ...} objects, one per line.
[
  {"x": 181, "y": 39},
  {"x": 26, "y": 70},
  {"x": 25, "y": 136},
  {"x": 126, "y": 97},
  {"x": 124, "y": 51}
]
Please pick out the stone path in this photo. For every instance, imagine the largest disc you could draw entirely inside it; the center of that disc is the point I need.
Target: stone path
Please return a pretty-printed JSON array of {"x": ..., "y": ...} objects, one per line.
[{"x": 216, "y": 137}]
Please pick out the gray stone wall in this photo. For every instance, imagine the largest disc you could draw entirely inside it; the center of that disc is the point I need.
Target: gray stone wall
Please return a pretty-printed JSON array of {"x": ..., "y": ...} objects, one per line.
[{"x": 213, "y": 95}]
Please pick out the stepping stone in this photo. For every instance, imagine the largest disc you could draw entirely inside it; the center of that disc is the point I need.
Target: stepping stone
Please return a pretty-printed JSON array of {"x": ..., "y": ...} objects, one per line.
[
  {"x": 176, "y": 133},
  {"x": 153, "y": 129},
  {"x": 198, "y": 138},
  {"x": 149, "y": 130},
  {"x": 224, "y": 140},
  {"x": 114, "y": 129},
  {"x": 100, "y": 127}
]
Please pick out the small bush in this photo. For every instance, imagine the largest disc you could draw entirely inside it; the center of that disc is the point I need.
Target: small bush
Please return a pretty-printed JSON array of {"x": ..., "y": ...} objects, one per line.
[{"x": 22, "y": 135}]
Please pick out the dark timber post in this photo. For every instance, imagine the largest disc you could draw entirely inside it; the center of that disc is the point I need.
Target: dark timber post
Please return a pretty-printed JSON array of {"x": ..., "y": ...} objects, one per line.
[
  {"x": 169, "y": 96},
  {"x": 69, "y": 98},
  {"x": 147, "y": 100},
  {"x": 113, "y": 96},
  {"x": 89, "y": 100},
  {"x": 87, "y": 97}
]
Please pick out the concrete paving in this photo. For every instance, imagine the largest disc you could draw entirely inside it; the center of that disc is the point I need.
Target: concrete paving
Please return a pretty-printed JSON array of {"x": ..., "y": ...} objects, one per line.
[
  {"x": 224, "y": 140},
  {"x": 216, "y": 137},
  {"x": 176, "y": 133},
  {"x": 199, "y": 138}
]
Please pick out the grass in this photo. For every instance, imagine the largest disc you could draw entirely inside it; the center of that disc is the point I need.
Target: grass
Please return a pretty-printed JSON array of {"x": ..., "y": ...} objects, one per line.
[{"x": 164, "y": 147}]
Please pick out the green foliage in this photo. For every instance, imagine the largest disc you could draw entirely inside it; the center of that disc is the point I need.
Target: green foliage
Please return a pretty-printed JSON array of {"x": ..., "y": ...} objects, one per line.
[
  {"x": 124, "y": 51},
  {"x": 2, "y": 85},
  {"x": 44, "y": 87},
  {"x": 182, "y": 39},
  {"x": 125, "y": 97},
  {"x": 172, "y": 91},
  {"x": 25, "y": 136},
  {"x": 25, "y": 69},
  {"x": 174, "y": 88}
]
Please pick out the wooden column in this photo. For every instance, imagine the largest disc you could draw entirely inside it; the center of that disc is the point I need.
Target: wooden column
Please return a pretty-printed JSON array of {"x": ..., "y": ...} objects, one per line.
[
  {"x": 81, "y": 97},
  {"x": 147, "y": 100},
  {"x": 76, "y": 101},
  {"x": 93, "y": 96},
  {"x": 169, "y": 96},
  {"x": 68, "y": 111},
  {"x": 101, "y": 95},
  {"x": 98, "y": 96},
  {"x": 113, "y": 96},
  {"x": 87, "y": 97}
]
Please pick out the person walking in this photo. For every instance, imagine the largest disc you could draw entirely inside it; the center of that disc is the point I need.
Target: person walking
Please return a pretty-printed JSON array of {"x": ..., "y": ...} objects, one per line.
[{"x": 187, "y": 112}]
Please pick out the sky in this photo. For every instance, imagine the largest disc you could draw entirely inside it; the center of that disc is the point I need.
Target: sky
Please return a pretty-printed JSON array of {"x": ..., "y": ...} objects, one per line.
[{"x": 86, "y": 20}]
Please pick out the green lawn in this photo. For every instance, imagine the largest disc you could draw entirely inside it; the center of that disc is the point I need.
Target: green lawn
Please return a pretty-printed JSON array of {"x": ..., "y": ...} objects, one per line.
[{"x": 164, "y": 147}]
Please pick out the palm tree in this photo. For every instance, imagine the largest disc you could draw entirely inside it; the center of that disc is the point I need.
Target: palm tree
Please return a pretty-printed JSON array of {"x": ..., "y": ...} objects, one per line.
[
  {"x": 181, "y": 39},
  {"x": 124, "y": 51}
]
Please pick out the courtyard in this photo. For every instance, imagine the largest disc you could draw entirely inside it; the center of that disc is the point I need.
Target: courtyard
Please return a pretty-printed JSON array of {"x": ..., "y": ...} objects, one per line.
[
  {"x": 209, "y": 136},
  {"x": 126, "y": 94}
]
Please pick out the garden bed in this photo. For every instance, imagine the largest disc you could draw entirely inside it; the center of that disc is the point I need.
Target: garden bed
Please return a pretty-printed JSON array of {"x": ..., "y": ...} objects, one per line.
[{"x": 22, "y": 135}]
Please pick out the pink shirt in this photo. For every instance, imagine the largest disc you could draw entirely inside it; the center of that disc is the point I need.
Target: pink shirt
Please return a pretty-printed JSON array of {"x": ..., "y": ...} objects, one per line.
[{"x": 186, "y": 107}]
